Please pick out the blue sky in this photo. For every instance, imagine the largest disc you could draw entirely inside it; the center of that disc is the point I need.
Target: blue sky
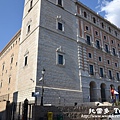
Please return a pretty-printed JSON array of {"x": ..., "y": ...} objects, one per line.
[
  {"x": 11, "y": 12},
  {"x": 10, "y": 19}
]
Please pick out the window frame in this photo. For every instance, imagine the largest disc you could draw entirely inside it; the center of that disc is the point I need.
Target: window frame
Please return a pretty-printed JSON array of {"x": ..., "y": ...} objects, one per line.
[
  {"x": 1, "y": 84},
  {"x": 117, "y": 76},
  {"x": 100, "y": 59},
  {"x": 60, "y": 21},
  {"x": 25, "y": 60},
  {"x": 57, "y": 2},
  {"x": 85, "y": 14},
  {"x": 108, "y": 62},
  {"x": 28, "y": 29},
  {"x": 91, "y": 72},
  {"x": 110, "y": 75},
  {"x": 98, "y": 44},
  {"x": 57, "y": 58},
  {"x": 101, "y": 75},
  {"x": 89, "y": 55},
  {"x": 88, "y": 41},
  {"x": 9, "y": 80},
  {"x": 107, "y": 46}
]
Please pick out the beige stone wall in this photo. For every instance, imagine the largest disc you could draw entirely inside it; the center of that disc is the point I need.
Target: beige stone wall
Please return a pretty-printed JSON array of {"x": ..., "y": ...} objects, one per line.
[{"x": 9, "y": 58}]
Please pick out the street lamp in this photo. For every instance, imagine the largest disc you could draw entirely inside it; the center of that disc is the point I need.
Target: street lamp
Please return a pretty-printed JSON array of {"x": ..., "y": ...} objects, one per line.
[{"x": 43, "y": 72}]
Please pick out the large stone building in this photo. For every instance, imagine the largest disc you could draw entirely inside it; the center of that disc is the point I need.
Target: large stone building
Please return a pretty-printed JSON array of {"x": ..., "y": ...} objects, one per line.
[
  {"x": 78, "y": 49},
  {"x": 8, "y": 70}
]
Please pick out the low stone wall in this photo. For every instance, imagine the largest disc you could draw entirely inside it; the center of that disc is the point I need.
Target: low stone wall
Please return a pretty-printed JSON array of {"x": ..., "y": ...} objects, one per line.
[{"x": 71, "y": 113}]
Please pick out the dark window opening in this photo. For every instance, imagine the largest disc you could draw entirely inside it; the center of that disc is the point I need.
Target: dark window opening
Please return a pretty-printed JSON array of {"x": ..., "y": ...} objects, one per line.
[
  {"x": 115, "y": 64},
  {"x": 60, "y": 26},
  {"x": 102, "y": 25},
  {"x": 117, "y": 76},
  {"x": 87, "y": 28},
  {"x": 109, "y": 29},
  {"x": 3, "y": 67},
  {"x": 89, "y": 54},
  {"x": 110, "y": 74},
  {"x": 28, "y": 29},
  {"x": 88, "y": 40},
  {"x": 116, "y": 33},
  {"x": 26, "y": 60},
  {"x": 11, "y": 60},
  {"x": 1, "y": 84},
  {"x": 108, "y": 61},
  {"x": 106, "y": 48},
  {"x": 114, "y": 51},
  {"x": 91, "y": 70},
  {"x": 112, "y": 41},
  {"x": 96, "y": 33},
  {"x": 94, "y": 20},
  {"x": 104, "y": 37},
  {"x": 101, "y": 72},
  {"x": 100, "y": 59},
  {"x": 98, "y": 44},
  {"x": 85, "y": 14},
  {"x": 60, "y": 59},
  {"x": 60, "y": 2},
  {"x": 31, "y": 3},
  {"x": 9, "y": 80}
]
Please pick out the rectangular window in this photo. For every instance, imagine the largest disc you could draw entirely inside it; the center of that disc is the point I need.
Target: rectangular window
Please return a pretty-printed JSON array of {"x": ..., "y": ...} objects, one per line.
[
  {"x": 60, "y": 26},
  {"x": 110, "y": 74},
  {"x": 119, "y": 53},
  {"x": 94, "y": 20},
  {"x": 88, "y": 39},
  {"x": 60, "y": 59},
  {"x": 89, "y": 55},
  {"x": 28, "y": 29},
  {"x": 9, "y": 80},
  {"x": 11, "y": 60},
  {"x": 117, "y": 76},
  {"x": 26, "y": 60},
  {"x": 106, "y": 48},
  {"x": 116, "y": 65},
  {"x": 101, "y": 72},
  {"x": 91, "y": 70},
  {"x": 3, "y": 67},
  {"x": 114, "y": 51},
  {"x": 60, "y": 2},
  {"x": 85, "y": 14},
  {"x": 98, "y": 44},
  {"x": 0, "y": 84},
  {"x": 100, "y": 59},
  {"x": 31, "y": 5}
]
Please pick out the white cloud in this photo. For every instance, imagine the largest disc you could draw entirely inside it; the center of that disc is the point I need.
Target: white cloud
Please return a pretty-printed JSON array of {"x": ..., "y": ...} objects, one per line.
[{"x": 112, "y": 11}]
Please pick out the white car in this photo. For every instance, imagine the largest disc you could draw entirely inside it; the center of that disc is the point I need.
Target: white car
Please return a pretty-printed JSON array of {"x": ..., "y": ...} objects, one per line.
[{"x": 114, "y": 116}]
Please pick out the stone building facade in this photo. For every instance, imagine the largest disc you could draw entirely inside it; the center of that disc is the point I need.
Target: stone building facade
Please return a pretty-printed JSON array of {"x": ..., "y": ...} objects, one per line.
[
  {"x": 78, "y": 49},
  {"x": 8, "y": 70}
]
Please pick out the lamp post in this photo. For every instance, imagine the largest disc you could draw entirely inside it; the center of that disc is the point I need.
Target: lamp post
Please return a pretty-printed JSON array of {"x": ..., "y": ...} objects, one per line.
[{"x": 43, "y": 72}]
